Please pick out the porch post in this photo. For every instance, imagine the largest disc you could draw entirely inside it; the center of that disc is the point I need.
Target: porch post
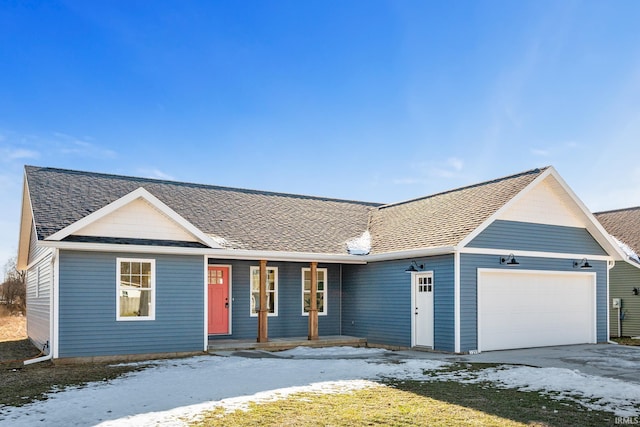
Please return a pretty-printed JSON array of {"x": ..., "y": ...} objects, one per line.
[
  {"x": 262, "y": 311},
  {"x": 313, "y": 303}
]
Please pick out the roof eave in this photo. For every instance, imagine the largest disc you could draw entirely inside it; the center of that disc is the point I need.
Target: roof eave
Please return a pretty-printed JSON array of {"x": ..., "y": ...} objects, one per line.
[
  {"x": 26, "y": 226},
  {"x": 411, "y": 253},
  {"x": 239, "y": 254}
]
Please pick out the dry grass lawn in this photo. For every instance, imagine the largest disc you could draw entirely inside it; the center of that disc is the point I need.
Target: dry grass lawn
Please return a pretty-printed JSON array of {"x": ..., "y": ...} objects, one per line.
[{"x": 12, "y": 328}]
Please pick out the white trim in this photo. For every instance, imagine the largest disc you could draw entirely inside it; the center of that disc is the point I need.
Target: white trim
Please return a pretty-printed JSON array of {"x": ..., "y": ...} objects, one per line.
[
  {"x": 143, "y": 194},
  {"x": 230, "y": 286},
  {"x": 55, "y": 308},
  {"x": 152, "y": 290},
  {"x": 456, "y": 301},
  {"x": 413, "y": 253},
  {"x": 325, "y": 296},
  {"x": 414, "y": 302},
  {"x": 206, "y": 303},
  {"x": 26, "y": 217},
  {"x": 504, "y": 207},
  {"x": 601, "y": 236},
  {"x": 413, "y": 308},
  {"x": 593, "y": 274},
  {"x": 533, "y": 254},
  {"x": 275, "y": 290},
  {"x": 43, "y": 255},
  {"x": 609, "y": 268},
  {"x": 235, "y": 254},
  {"x": 629, "y": 261}
]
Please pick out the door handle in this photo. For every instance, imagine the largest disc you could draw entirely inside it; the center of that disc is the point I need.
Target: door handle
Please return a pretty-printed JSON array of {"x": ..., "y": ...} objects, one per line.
[{"x": 226, "y": 305}]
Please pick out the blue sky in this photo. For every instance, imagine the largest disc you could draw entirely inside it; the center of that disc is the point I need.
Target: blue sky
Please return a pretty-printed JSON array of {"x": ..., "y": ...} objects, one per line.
[{"x": 368, "y": 100}]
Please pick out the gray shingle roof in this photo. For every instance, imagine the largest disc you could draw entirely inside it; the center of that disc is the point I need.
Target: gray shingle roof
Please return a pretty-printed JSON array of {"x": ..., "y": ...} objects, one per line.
[
  {"x": 623, "y": 224},
  {"x": 247, "y": 219},
  {"x": 443, "y": 219},
  {"x": 258, "y": 220}
]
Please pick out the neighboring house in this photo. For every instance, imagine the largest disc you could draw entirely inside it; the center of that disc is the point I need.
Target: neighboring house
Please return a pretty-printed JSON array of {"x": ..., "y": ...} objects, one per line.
[
  {"x": 120, "y": 265},
  {"x": 624, "y": 278}
]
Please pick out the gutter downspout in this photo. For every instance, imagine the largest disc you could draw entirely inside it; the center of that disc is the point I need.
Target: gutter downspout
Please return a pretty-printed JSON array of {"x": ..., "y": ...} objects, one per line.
[
  {"x": 49, "y": 344},
  {"x": 610, "y": 265},
  {"x": 39, "y": 359}
]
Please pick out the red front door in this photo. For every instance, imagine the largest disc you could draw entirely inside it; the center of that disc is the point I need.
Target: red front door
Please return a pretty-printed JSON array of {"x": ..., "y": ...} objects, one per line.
[{"x": 218, "y": 300}]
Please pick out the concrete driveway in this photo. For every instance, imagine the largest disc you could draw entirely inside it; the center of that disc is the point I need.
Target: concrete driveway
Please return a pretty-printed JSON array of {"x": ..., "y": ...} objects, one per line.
[{"x": 606, "y": 360}]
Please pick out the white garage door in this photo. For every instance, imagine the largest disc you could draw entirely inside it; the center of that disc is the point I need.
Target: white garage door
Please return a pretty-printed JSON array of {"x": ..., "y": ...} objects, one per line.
[{"x": 520, "y": 309}]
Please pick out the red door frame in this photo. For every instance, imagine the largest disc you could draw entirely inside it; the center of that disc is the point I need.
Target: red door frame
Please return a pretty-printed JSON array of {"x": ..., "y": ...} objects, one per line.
[{"x": 219, "y": 299}]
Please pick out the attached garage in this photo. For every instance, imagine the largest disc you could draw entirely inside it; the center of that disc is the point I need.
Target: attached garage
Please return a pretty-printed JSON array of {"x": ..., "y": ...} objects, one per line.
[{"x": 524, "y": 308}]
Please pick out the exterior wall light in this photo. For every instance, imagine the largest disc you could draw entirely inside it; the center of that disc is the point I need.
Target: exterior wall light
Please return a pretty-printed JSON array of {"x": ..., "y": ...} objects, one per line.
[
  {"x": 414, "y": 267},
  {"x": 583, "y": 264},
  {"x": 509, "y": 260}
]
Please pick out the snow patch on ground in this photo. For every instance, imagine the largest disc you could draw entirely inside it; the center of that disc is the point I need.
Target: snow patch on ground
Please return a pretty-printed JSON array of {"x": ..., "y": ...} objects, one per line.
[
  {"x": 597, "y": 393},
  {"x": 172, "y": 392}
]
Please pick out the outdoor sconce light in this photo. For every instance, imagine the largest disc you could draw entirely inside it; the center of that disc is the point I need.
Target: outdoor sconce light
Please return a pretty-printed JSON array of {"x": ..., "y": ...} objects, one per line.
[
  {"x": 635, "y": 291},
  {"x": 414, "y": 267},
  {"x": 509, "y": 260},
  {"x": 583, "y": 263}
]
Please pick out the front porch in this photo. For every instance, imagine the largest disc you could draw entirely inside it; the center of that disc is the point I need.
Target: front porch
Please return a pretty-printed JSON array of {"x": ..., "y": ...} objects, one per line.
[{"x": 276, "y": 344}]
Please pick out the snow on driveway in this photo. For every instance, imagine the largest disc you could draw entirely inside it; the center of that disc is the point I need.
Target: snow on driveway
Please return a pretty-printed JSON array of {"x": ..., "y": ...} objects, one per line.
[{"x": 171, "y": 391}]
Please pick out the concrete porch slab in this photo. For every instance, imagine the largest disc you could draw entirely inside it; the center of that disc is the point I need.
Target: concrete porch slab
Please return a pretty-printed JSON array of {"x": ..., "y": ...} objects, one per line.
[{"x": 276, "y": 344}]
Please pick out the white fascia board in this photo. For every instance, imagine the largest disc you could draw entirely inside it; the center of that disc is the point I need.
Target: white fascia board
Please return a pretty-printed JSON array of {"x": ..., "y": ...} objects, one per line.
[
  {"x": 210, "y": 253},
  {"x": 26, "y": 225},
  {"x": 464, "y": 242},
  {"x": 629, "y": 260},
  {"x": 413, "y": 253},
  {"x": 599, "y": 233},
  {"x": 534, "y": 254},
  {"x": 139, "y": 193}
]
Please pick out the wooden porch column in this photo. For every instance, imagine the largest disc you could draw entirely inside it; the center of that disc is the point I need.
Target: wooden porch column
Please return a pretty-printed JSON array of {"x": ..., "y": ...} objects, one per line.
[
  {"x": 313, "y": 303},
  {"x": 263, "y": 310}
]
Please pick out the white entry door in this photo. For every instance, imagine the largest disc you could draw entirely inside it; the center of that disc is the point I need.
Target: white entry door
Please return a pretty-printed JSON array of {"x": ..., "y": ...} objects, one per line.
[{"x": 423, "y": 297}]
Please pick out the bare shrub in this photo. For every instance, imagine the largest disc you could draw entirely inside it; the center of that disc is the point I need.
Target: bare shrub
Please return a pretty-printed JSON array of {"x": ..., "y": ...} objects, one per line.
[{"x": 13, "y": 291}]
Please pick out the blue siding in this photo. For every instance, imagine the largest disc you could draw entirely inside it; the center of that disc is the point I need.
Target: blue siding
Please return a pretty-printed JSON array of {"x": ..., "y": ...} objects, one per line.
[
  {"x": 290, "y": 322},
  {"x": 377, "y": 301},
  {"x": 469, "y": 265},
  {"x": 622, "y": 279},
  {"x": 514, "y": 235},
  {"x": 88, "y": 325},
  {"x": 39, "y": 276}
]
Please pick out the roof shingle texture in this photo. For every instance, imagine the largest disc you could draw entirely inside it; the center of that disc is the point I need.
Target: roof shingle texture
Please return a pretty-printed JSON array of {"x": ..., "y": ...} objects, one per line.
[
  {"x": 623, "y": 224},
  {"x": 443, "y": 219},
  {"x": 257, "y": 220},
  {"x": 246, "y": 219}
]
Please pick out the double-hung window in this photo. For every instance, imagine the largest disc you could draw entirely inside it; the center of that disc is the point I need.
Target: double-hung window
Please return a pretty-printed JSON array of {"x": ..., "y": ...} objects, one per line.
[
  {"x": 321, "y": 291},
  {"x": 271, "y": 288},
  {"x": 135, "y": 289}
]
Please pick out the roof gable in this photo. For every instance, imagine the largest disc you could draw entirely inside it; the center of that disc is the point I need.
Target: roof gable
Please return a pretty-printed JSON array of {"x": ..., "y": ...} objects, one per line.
[
  {"x": 443, "y": 219},
  {"x": 573, "y": 206},
  {"x": 138, "y": 214},
  {"x": 242, "y": 219},
  {"x": 545, "y": 203}
]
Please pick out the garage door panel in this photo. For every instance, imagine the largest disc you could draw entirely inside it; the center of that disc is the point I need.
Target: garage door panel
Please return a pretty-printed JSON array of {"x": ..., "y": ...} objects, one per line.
[{"x": 532, "y": 309}]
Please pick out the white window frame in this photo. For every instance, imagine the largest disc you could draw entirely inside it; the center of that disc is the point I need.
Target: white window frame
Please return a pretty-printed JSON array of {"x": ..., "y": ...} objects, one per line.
[
  {"x": 152, "y": 291},
  {"x": 253, "y": 268},
  {"x": 324, "y": 291}
]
